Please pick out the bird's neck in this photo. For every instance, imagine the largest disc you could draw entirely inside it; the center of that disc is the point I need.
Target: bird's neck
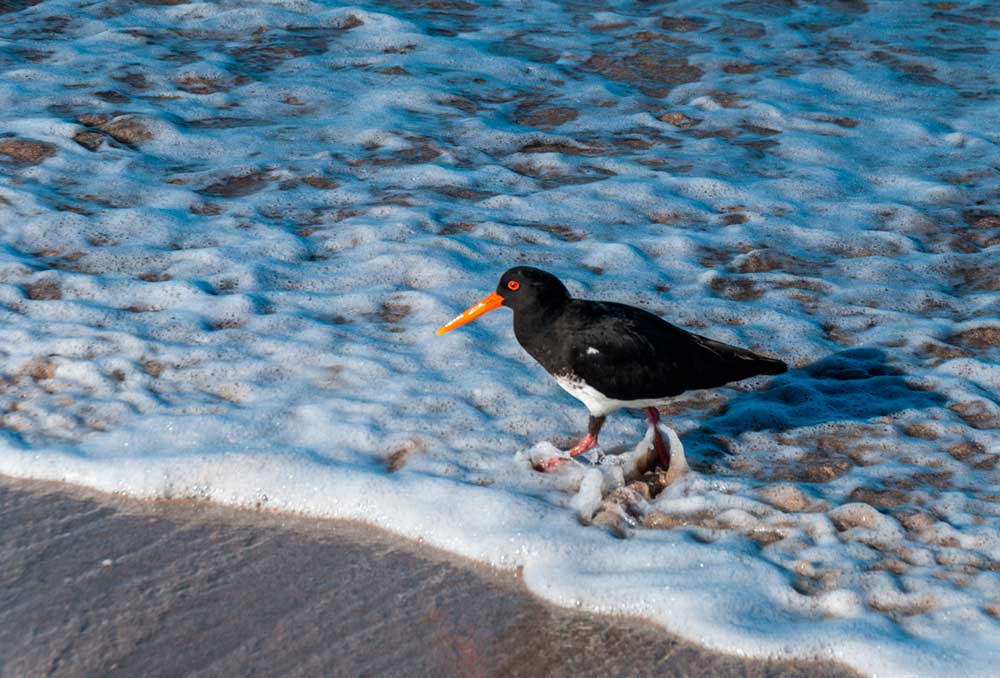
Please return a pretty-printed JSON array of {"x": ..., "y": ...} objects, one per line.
[{"x": 532, "y": 325}]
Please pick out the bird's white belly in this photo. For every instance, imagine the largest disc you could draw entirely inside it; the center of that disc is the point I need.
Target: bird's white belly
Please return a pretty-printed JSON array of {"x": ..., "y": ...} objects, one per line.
[{"x": 597, "y": 403}]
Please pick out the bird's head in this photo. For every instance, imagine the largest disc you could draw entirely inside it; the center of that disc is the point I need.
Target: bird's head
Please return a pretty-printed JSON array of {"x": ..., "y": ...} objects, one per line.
[{"x": 520, "y": 288}]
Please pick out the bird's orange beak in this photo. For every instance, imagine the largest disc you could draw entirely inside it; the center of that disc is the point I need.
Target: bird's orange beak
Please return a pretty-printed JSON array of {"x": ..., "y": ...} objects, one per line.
[{"x": 490, "y": 303}]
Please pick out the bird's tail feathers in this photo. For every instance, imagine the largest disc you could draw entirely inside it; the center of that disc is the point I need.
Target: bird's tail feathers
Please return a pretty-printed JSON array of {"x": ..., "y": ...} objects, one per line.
[
  {"x": 748, "y": 362},
  {"x": 770, "y": 365},
  {"x": 741, "y": 363}
]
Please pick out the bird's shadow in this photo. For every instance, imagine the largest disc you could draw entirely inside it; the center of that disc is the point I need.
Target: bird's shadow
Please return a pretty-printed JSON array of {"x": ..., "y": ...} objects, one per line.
[{"x": 855, "y": 385}]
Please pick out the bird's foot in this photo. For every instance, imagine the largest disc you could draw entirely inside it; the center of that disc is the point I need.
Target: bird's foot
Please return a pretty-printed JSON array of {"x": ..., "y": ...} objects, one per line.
[
  {"x": 549, "y": 464},
  {"x": 589, "y": 442}
]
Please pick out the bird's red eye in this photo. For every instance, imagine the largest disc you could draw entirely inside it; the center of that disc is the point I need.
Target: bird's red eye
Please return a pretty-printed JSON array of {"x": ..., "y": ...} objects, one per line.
[{"x": 513, "y": 285}]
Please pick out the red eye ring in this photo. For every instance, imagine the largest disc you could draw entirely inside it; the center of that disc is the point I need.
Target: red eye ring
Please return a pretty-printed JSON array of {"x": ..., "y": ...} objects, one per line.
[{"x": 514, "y": 285}]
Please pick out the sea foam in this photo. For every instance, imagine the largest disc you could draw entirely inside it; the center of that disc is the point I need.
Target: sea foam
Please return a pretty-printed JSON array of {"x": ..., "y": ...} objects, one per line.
[{"x": 230, "y": 229}]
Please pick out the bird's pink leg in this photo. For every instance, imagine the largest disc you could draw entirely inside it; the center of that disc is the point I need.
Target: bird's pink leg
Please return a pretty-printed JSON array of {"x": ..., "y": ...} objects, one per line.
[
  {"x": 653, "y": 415},
  {"x": 588, "y": 442}
]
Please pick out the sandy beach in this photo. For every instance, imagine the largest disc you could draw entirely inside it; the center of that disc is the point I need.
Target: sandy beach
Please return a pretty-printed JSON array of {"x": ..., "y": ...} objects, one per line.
[{"x": 94, "y": 584}]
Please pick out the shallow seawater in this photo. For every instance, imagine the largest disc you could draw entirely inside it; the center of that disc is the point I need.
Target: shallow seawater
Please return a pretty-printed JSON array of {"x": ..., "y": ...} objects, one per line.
[{"x": 230, "y": 229}]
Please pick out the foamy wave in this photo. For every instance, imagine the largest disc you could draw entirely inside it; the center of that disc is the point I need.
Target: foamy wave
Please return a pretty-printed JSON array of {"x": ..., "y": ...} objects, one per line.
[{"x": 230, "y": 229}]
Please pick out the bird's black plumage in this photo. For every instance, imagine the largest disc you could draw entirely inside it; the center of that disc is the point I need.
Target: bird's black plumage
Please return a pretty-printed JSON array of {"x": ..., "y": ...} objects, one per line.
[
  {"x": 623, "y": 352},
  {"x": 610, "y": 355}
]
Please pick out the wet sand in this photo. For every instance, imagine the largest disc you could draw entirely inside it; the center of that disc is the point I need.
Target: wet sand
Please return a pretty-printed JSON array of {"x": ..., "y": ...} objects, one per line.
[{"x": 94, "y": 584}]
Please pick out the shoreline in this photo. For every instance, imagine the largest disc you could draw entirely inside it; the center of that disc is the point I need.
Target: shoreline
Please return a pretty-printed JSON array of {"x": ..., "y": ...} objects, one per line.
[{"x": 102, "y": 584}]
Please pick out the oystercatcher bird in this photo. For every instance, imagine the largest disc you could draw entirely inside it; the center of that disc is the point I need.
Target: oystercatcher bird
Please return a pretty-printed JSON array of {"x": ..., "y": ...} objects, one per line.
[{"x": 611, "y": 355}]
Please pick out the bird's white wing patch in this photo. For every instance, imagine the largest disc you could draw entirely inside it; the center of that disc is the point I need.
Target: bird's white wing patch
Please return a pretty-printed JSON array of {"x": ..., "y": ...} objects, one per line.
[{"x": 592, "y": 351}]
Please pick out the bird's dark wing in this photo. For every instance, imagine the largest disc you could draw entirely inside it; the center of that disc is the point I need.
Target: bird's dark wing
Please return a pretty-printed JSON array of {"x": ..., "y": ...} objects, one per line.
[{"x": 629, "y": 354}]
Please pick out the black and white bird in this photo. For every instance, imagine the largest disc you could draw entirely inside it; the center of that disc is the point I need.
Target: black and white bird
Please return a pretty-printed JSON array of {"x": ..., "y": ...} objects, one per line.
[{"x": 610, "y": 355}]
